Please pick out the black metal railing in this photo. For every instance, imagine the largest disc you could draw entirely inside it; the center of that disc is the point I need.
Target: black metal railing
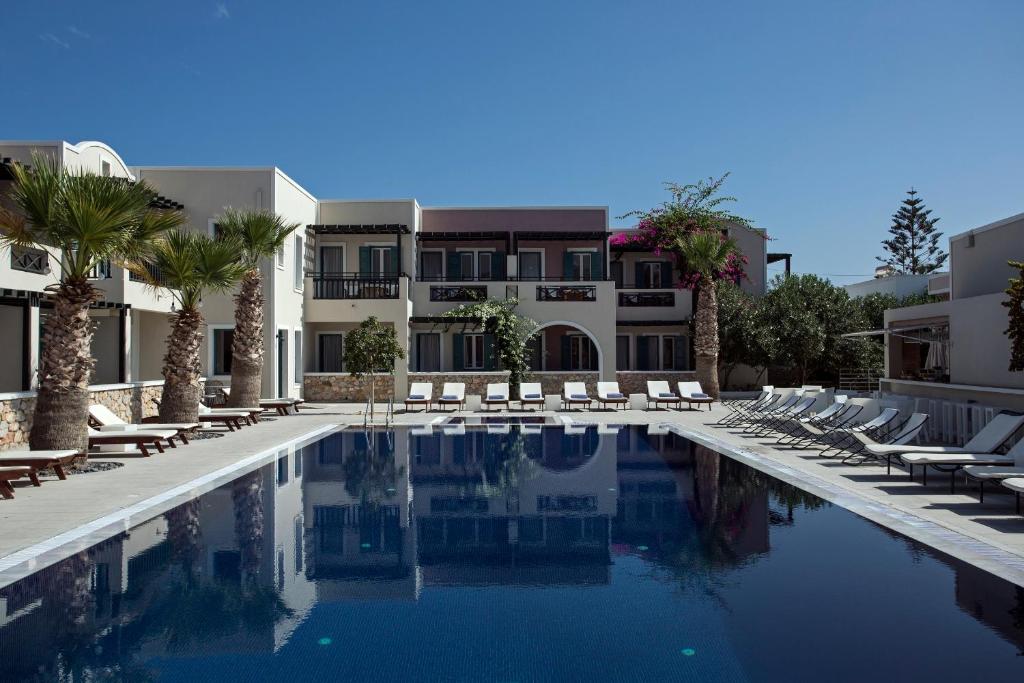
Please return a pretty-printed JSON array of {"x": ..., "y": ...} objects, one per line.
[
  {"x": 509, "y": 278},
  {"x": 644, "y": 285},
  {"x": 354, "y": 286},
  {"x": 30, "y": 260},
  {"x": 581, "y": 293},
  {"x": 154, "y": 276},
  {"x": 647, "y": 299},
  {"x": 458, "y": 293}
]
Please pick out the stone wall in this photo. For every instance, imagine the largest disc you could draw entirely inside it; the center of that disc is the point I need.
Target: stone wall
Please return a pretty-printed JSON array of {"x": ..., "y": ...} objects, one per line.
[
  {"x": 345, "y": 387},
  {"x": 635, "y": 382},
  {"x": 132, "y": 402}
]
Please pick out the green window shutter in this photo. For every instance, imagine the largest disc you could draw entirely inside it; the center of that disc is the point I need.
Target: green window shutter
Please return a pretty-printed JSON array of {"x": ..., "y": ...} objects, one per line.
[
  {"x": 643, "y": 353},
  {"x": 679, "y": 352},
  {"x": 597, "y": 266},
  {"x": 568, "y": 272},
  {"x": 498, "y": 265},
  {"x": 364, "y": 261},
  {"x": 566, "y": 351},
  {"x": 394, "y": 261},
  {"x": 490, "y": 362},
  {"x": 454, "y": 266},
  {"x": 666, "y": 274},
  {"x": 638, "y": 273},
  {"x": 457, "y": 351}
]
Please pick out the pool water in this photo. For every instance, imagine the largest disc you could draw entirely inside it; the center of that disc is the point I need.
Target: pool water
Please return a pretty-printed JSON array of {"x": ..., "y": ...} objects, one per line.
[{"x": 509, "y": 555}]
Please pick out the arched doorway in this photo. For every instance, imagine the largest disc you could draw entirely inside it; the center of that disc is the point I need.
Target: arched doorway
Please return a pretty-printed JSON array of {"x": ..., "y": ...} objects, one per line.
[{"x": 560, "y": 345}]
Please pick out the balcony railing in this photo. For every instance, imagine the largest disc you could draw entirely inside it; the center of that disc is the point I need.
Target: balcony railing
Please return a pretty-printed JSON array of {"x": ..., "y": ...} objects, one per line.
[
  {"x": 354, "y": 286},
  {"x": 154, "y": 273},
  {"x": 631, "y": 299},
  {"x": 565, "y": 293},
  {"x": 30, "y": 260},
  {"x": 510, "y": 278},
  {"x": 458, "y": 293}
]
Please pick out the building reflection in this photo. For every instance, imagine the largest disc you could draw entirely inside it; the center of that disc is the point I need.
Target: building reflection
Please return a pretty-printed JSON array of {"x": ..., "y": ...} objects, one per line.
[{"x": 384, "y": 515}]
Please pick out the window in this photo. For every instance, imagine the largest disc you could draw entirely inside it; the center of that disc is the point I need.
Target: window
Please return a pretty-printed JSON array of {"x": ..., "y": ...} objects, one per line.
[
  {"x": 646, "y": 352},
  {"x": 105, "y": 169},
  {"x": 530, "y": 265},
  {"x": 583, "y": 265},
  {"x": 298, "y": 258},
  {"x": 622, "y": 352},
  {"x": 222, "y": 340},
  {"x": 428, "y": 352},
  {"x": 582, "y": 354},
  {"x": 282, "y": 470},
  {"x": 298, "y": 357},
  {"x": 332, "y": 259},
  {"x": 330, "y": 351},
  {"x": 650, "y": 273},
  {"x": 214, "y": 229},
  {"x": 473, "y": 357},
  {"x": 535, "y": 353},
  {"x": 431, "y": 265},
  {"x": 280, "y": 255},
  {"x": 668, "y": 353},
  {"x": 466, "y": 262},
  {"x": 382, "y": 261},
  {"x": 483, "y": 268}
]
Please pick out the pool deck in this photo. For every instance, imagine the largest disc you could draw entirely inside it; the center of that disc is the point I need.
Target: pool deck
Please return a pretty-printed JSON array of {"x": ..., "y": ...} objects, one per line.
[{"x": 41, "y": 525}]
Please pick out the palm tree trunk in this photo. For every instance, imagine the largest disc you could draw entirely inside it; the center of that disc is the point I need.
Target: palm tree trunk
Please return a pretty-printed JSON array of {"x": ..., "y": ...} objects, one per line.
[
  {"x": 182, "y": 371},
  {"x": 706, "y": 338},
  {"x": 247, "y": 347},
  {"x": 247, "y": 498},
  {"x": 65, "y": 367}
]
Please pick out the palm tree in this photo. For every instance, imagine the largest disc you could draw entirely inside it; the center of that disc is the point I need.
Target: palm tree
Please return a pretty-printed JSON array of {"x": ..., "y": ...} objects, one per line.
[
  {"x": 258, "y": 234},
  {"x": 89, "y": 219},
  {"x": 190, "y": 264},
  {"x": 706, "y": 253}
]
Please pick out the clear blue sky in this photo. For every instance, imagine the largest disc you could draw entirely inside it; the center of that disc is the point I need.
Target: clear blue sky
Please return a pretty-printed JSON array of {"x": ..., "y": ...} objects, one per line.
[{"x": 824, "y": 112}]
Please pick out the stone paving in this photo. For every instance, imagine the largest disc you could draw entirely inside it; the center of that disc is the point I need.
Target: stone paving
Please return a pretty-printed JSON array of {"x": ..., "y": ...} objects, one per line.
[{"x": 42, "y": 519}]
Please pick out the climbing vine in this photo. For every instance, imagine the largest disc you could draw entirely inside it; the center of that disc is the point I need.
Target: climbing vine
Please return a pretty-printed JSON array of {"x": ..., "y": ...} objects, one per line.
[
  {"x": 1016, "y": 329},
  {"x": 512, "y": 332}
]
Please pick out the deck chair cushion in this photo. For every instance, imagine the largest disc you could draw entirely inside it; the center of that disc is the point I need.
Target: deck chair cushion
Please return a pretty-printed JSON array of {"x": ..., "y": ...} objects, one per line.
[
  {"x": 450, "y": 397},
  {"x": 615, "y": 394},
  {"x": 666, "y": 394},
  {"x": 531, "y": 396},
  {"x": 416, "y": 397},
  {"x": 699, "y": 394},
  {"x": 581, "y": 397},
  {"x": 495, "y": 397}
]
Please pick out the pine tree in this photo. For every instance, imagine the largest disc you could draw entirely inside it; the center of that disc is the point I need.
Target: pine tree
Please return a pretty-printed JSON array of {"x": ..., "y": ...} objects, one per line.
[
  {"x": 914, "y": 245},
  {"x": 1015, "y": 331}
]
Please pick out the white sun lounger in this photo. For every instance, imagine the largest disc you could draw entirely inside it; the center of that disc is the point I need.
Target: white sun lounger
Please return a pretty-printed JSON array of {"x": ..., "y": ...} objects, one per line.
[
  {"x": 420, "y": 394},
  {"x": 608, "y": 393},
  {"x": 575, "y": 394},
  {"x": 453, "y": 394},
  {"x": 105, "y": 420},
  {"x": 659, "y": 393},
  {"x": 497, "y": 394},
  {"x": 530, "y": 394},
  {"x": 691, "y": 392},
  {"x": 1017, "y": 486}
]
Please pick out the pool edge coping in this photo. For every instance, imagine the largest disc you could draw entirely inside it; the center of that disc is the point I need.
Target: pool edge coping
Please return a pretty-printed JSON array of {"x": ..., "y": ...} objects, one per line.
[
  {"x": 26, "y": 561},
  {"x": 998, "y": 561}
]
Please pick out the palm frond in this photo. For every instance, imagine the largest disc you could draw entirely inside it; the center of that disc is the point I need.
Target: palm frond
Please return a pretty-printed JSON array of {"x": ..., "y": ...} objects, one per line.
[
  {"x": 258, "y": 232},
  {"x": 706, "y": 251},
  {"x": 191, "y": 264}
]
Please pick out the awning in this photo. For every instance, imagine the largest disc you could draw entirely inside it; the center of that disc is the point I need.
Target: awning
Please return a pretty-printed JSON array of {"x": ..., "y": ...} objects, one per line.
[
  {"x": 360, "y": 229},
  {"x": 898, "y": 331}
]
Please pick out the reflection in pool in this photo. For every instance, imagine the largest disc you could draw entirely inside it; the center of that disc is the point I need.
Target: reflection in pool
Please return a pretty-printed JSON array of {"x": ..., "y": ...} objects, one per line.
[{"x": 533, "y": 553}]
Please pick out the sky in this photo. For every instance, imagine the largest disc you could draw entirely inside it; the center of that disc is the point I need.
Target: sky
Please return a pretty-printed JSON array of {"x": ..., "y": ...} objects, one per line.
[{"x": 824, "y": 113}]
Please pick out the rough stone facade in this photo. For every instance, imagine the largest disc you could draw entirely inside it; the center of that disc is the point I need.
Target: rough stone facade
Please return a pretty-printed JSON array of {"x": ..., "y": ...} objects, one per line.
[
  {"x": 345, "y": 387},
  {"x": 636, "y": 382},
  {"x": 131, "y": 402}
]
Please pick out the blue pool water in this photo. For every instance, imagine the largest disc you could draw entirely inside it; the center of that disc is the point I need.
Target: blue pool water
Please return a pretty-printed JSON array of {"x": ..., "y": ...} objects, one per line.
[{"x": 509, "y": 554}]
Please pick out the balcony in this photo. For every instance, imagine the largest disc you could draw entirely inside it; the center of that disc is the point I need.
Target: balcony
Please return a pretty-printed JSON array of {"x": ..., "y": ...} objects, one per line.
[
  {"x": 154, "y": 274},
  {"x": 567, "y": 293},
  {"x": 458, "y": 293},
  {"x": 29, "y": 260},
  {"x": 354, "y": 286},
  {"x": 647, "y": 299}
]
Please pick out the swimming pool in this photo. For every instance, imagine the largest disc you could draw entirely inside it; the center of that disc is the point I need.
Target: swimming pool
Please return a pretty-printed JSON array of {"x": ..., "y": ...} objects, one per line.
[{"x": 534, "y": 553}]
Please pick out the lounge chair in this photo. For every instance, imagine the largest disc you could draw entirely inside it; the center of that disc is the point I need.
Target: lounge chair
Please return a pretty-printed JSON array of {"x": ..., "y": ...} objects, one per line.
[
  {"x": 820, "y": 427},
  {"x": 824, "y": 417},
  {"x": 453, "y": 394},
  {"x": 1017, "y": 486},
  {"x": 659, "y": 393},
  {"x": 691, "y": 392},
  {"x": 777, "y": 420},
  {"x": 229, "y": 417},
  {"x": 141, "y": 439},
  {"x": 281, "y": 405},
  {"x": 979, "y": 450},
  {"x": 497, "y": 394},
  {"x": 530, "y": 394},
  {"x": 575, "y": 394},
  {"x": 103, "y": 419},
  {"x": 907, "y": 432},
  {"x": 40, "y": 460},
  {"x": 420, "y": 394},
  {"x": 984, "y": 473},
  {"x": 8, "y": 474},
  {"x": 857, "y": 437},
  {"x": 608, "y": 394},
  {"x": 744, "y": 412}
]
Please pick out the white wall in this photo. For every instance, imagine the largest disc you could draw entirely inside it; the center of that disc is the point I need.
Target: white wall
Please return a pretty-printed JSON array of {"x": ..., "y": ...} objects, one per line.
[{"x": 897, "y": 285}]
